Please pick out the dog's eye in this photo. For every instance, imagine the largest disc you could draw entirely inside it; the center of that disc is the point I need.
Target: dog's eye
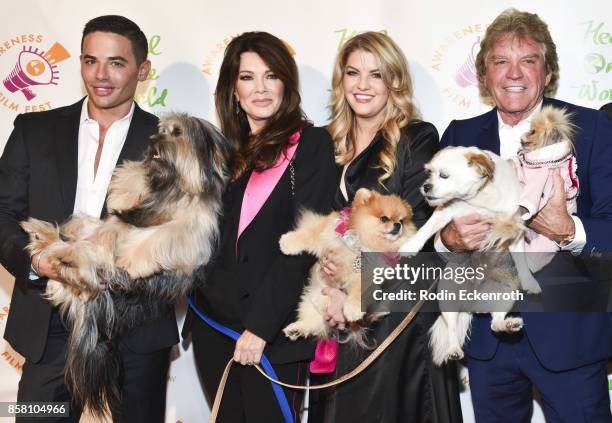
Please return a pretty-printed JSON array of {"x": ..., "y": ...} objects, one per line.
[
  {"x": 176, "y": 132},
  {"x": 443, "y": 175},
  {"x": 384, "y": 219},
  {"x": 532, "y": 132},
  {"x": 401, "y": 221}
]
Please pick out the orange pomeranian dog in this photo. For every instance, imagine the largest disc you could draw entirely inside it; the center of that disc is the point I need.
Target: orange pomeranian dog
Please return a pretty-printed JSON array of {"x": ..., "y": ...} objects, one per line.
[{"x": 374, "y": 223}]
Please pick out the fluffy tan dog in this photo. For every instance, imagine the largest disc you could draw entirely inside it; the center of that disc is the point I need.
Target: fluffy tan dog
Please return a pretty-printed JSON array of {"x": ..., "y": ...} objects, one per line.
[
  {"x": 163, "y": 217},
  {"x": 548, "y": 127},
  {"x": 547, "y": 148},
  {"x": 375, "y": 223}
]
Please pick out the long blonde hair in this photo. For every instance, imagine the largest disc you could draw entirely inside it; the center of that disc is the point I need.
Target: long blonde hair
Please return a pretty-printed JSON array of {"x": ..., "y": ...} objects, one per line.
[{"x": 399, "y": 111}]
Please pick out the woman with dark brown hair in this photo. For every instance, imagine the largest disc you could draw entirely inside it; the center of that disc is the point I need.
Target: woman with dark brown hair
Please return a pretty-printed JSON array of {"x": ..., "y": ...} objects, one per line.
[{"x": 280, "y": 165}]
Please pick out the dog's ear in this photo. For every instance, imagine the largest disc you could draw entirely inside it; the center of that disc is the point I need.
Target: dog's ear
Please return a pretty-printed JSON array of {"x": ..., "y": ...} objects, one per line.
[
  {"x": 362, "y": 197},
  {"x": 482, "y": 163},
  {"x": 554, "y": 136}
]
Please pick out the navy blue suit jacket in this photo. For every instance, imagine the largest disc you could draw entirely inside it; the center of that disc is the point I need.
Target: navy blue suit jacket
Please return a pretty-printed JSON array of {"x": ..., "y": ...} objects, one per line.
[{"x": 561, "y": 341}]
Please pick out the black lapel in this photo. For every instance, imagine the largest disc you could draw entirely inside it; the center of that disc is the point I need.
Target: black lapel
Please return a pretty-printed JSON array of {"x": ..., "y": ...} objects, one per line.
[
  {"x": 141, "y": 128},
  {"x": 488, "y": 137},
  {"x": 66, "y": 142}
]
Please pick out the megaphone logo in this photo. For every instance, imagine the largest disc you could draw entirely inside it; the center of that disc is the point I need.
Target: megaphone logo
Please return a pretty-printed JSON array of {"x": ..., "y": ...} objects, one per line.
[
  {"x": 467, "y": 74},
  {"x": 35, "y": 67}
]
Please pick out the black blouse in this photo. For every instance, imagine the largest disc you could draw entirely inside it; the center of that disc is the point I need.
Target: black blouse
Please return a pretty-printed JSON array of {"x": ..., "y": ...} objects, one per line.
[{"x": 418, "y": 143}]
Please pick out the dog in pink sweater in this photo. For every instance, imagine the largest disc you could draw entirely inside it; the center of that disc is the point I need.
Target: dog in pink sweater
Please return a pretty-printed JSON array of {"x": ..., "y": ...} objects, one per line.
[{"x": 547, "y": 147}]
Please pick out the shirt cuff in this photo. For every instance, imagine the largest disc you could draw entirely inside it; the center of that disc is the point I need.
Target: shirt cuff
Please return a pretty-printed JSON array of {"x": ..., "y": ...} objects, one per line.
[
  {"x": 33, "y": 275},
  {"x": 579, "y": 241},
  {"x": 439, "y": 245}
]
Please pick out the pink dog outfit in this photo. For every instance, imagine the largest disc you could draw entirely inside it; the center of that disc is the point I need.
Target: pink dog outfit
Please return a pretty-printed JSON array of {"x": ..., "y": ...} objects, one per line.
[{"x": 535, "y": 173}]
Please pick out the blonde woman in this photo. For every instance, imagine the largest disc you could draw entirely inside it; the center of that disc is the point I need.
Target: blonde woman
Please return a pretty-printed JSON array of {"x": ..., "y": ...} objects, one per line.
[{"x": 381, "y": 144}]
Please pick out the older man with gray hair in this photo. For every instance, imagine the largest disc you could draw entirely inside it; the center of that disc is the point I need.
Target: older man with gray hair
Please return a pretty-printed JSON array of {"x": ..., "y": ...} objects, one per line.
[{"x": 563, "y": 354}]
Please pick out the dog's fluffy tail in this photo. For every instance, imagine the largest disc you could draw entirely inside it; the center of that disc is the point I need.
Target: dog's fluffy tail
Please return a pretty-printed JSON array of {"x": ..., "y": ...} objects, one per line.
[
  {"x": 506, "y": 231},
  {"x": 93, "y": 366},
  {"x": 441, "y": 341},
  {"x": 357, "y": 334}
]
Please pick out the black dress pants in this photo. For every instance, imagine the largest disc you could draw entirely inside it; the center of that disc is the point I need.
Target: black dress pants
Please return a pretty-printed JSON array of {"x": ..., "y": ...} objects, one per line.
[
  {"x": 143, "y": 386},
  {"x": 248, "y": 396}
]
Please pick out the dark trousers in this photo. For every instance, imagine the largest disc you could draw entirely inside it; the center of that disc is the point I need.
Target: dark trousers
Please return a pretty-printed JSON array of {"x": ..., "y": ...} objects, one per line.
[
  {"x": 248, "y": 396},
  {"x": 502, "y": 387},
  {"x": 143, "y": 385}
]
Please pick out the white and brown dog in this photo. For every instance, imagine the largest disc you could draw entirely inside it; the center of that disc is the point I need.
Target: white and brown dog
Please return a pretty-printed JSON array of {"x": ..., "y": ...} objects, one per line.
[{"x": 462, "y": 181}]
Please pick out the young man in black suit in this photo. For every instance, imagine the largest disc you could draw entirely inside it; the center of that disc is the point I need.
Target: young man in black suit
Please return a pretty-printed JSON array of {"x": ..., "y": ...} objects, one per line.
[{"x": 60, "y": 162}]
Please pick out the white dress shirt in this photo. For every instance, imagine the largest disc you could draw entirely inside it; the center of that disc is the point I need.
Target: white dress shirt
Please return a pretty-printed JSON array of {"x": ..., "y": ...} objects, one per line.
[
  {"x": 91, "y": 190},
  {"x": 509, "y": 145}
]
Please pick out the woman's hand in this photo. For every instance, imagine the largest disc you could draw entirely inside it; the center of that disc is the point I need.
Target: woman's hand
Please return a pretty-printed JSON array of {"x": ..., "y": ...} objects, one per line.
[
  {"x": 330, "y": 268},
  {"x": 249, "y": 348},
  {"x": 334, "y": 315}
]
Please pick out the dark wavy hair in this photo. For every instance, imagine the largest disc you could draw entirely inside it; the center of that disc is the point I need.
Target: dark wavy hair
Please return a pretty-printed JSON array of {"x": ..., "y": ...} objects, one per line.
[
  {"x": 259, "y": 151},
  {"x": 120, "y": 25}
]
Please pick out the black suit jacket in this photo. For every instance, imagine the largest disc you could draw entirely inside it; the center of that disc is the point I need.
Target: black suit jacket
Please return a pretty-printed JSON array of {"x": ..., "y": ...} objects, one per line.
[
  {"x": 561, "y": 341},
  {"x": 608, "y": 109},
  {"x": 250, "y": 284},
  {"x": 38, "y": 178}
]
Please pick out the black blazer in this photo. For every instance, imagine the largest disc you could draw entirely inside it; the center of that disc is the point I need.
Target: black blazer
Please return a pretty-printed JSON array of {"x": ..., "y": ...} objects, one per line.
[
  {"x": 608, "y": 109},
  {"x": 38, "y": 178},
  {"x": 251, "y": 284}
]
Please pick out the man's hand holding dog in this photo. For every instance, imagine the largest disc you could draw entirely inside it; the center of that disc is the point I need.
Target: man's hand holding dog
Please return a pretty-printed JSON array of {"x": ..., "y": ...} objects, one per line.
[
  {"x": 46, "y": 266},
  {"x": 249, "y": 348},
  {"x": 465, "y": 233},
  {"x": 553, "y": 221}
]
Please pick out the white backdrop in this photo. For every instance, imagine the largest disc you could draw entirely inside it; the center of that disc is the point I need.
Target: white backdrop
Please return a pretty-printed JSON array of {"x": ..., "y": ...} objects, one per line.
[{"x": 186, "y": 42}]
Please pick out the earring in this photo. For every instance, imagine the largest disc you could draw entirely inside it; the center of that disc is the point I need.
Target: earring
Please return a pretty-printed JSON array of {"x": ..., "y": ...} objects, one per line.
[{"x": 237, "y": 106}]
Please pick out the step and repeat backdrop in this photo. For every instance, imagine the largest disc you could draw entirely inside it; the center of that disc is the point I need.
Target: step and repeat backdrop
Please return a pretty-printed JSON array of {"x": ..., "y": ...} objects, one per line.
[{"x": 186, "y": 43}]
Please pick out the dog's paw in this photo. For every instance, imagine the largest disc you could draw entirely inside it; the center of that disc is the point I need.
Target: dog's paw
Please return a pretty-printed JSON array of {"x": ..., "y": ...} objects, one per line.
[
  {"x": 455, "y": 353},
  {"x": 288, "y": 244},
  {"x": 136, "y": 267},
  {"x": 293, "y": 331},
  {"x": 529, "y": 283},
  {"x": 410, "y": 247},
  {"x": 352, "y": 312},
  {"x": 41, "y": 233},
  {"x": 509, "y": 325},
  {"x": 532, "y": 287}
]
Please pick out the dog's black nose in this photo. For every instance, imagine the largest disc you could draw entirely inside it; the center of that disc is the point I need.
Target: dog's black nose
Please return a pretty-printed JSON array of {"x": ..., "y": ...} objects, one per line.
[
  {"x": 397, "y": 227},
  {"x": 427, "y": 187}
]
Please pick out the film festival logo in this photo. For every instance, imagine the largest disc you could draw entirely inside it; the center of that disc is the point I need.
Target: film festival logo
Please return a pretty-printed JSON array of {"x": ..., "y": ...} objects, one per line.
[
  {"x": 150, "y": 96},
  {"x": 28, "y": 71},
  {"x": 346, "y": 34},
  {"x": 597, "y": 63},
  {"x": 455, "y": 59},
  {"x": 212, "y": 60},
  {"x": 8, "y": 355}
]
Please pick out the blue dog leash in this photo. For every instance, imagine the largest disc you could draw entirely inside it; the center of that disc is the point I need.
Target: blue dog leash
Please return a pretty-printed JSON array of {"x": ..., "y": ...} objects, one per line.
[{"x": 265, "y": 363}]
